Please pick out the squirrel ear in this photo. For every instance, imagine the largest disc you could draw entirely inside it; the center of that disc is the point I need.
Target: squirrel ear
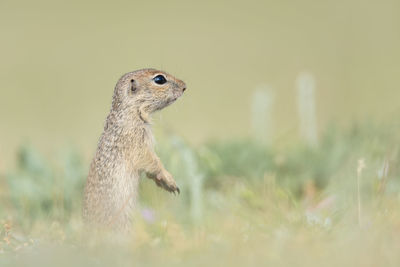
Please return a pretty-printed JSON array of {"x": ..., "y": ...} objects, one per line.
[{"x": 133, "y": 85}]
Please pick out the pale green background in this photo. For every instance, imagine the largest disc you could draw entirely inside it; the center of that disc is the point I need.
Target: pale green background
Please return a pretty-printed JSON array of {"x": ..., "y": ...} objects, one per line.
[{"x": 59, "y": 62}]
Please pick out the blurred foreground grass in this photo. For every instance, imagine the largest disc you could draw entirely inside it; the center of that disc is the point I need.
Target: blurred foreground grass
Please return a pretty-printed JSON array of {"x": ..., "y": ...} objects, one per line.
[{"x": 285, "y": 204}]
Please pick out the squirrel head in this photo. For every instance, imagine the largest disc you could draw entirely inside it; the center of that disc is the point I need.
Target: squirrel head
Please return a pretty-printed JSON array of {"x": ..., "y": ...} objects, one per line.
[{"x": 146, "y": 91}]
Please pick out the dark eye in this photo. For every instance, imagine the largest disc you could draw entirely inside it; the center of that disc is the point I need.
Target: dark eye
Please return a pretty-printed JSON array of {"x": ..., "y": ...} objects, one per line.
[{"x": 160, "y": 79}]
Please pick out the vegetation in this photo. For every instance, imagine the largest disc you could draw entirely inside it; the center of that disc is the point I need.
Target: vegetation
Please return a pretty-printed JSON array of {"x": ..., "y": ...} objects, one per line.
[{"x": 287, "y": 204}]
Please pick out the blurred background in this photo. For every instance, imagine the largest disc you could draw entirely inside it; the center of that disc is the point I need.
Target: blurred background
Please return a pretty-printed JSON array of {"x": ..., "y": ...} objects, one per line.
[
  {"x": 285, "y": 145},
  {"x": 60, "y": 61}
]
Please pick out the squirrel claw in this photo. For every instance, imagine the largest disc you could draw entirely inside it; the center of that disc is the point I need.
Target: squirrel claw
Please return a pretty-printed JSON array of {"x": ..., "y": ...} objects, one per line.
[{"x": 176, "y": 190}]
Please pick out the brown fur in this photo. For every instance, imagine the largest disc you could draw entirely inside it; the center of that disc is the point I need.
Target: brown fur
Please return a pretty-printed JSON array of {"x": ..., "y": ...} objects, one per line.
[{"x": 125, "y": 148}]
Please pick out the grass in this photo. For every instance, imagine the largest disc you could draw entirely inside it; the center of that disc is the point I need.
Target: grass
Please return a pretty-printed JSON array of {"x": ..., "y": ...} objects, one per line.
[{"x": 284, "y": 204}]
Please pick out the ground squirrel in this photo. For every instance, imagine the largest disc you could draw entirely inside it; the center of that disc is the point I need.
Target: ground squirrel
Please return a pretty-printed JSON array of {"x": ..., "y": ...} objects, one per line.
[{"x": 125, "y": 148}]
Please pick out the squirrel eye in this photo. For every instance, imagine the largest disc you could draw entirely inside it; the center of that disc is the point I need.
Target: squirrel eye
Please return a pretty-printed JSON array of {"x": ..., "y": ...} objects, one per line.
[{"x": 160, "y": 79}]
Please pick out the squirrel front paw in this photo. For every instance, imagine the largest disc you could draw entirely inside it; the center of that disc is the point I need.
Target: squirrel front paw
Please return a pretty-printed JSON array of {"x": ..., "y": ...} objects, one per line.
[{"x": 164, "y": 179}]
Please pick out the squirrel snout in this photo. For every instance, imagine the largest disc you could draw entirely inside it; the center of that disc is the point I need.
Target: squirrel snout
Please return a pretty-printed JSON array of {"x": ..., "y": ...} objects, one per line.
[{"x": 182, "y": 85}]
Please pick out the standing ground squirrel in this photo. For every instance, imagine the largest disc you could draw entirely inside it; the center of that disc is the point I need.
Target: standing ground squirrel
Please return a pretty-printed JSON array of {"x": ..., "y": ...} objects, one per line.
[{"x": 125, "y": 148}]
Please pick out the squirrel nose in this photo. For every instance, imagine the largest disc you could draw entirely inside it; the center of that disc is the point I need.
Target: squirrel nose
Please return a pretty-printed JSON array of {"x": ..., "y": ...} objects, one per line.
[{"x": 183, "y": 89}]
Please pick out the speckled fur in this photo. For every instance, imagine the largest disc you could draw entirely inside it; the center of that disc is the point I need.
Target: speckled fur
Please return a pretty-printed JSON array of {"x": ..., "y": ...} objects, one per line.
[{"x": 125, "y": 149}]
